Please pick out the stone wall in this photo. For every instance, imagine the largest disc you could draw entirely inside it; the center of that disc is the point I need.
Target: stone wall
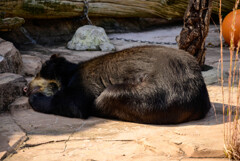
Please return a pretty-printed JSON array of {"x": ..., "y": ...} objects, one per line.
[{"x": 11, "y": 82}]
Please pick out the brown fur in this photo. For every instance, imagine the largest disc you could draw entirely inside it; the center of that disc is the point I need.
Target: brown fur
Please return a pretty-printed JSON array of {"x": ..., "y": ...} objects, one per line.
[{"x": 148, "y": 84}]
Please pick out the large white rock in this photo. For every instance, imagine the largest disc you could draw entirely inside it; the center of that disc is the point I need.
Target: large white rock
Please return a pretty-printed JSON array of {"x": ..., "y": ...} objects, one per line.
[{"x": 90, "y": 37}]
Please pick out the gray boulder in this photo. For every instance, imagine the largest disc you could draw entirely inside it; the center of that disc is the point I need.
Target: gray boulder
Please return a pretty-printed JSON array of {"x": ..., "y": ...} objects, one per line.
[
  {"x": 10, "y": 58},
  {"x": 90, "y": 37},
  {"x": 11, "y": 86}
]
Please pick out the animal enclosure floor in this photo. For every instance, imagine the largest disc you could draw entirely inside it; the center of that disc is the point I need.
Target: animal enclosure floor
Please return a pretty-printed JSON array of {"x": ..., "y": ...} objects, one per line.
[{"x": 28, "y": 135}]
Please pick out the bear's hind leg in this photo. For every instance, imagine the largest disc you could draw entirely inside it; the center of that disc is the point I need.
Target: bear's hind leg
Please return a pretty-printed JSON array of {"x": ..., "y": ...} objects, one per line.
[
  {"x": 129, "y": 102},
  {"x": 146, "y": 103}
]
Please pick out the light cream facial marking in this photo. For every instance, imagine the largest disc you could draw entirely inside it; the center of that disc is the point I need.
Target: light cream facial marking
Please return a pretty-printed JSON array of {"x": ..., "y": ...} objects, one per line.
[{"x": 44, "y": 85}]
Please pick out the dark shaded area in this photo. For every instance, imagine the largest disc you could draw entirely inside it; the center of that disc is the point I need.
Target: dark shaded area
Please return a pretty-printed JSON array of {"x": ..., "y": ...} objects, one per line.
[
  {"x": 206, "y": 67},
  {"x": 54, "y": 31}
]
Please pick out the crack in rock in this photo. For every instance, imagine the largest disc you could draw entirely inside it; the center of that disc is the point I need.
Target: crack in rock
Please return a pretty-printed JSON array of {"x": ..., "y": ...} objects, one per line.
[
  {"x": 65, "y": 141},
  {"x": 78, "y": 129}
]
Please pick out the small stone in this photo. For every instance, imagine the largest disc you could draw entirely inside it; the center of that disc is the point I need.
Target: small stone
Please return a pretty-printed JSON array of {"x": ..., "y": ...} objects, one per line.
[
  {"x": 10, "y": 60},
  {"x": 31, "y": 65},
  {"x": 11, "y": 86},
  {"x": 90, "y": 37}
]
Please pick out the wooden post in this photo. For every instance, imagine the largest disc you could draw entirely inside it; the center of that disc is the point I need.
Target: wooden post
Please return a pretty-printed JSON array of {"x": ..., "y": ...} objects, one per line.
[{"x": 195, "y": 29}]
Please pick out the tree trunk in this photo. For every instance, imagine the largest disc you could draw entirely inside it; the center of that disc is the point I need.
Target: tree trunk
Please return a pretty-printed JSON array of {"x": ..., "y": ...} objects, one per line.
[
  {"x": 195, "y": 29},
  {"x": 51, "y": 9},
  {"x": 47, "y": 9}
]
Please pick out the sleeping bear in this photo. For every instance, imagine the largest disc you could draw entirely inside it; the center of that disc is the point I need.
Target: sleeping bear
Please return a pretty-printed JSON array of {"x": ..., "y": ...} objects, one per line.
[{"x": 147, "y": 84}]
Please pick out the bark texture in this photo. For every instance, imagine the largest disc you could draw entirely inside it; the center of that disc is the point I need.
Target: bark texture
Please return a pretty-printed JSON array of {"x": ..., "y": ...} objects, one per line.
[
  {"x": 195, "y": 29},
  {"x": 49, "y": 9}
]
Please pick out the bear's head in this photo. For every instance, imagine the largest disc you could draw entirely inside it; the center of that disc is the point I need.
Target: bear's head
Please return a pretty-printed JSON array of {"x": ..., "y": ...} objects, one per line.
[{"x": 47, "y": 81}]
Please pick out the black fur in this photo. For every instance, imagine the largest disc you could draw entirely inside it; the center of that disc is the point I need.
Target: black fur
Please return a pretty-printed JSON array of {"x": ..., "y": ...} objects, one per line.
[{"x": 148, "y": 84}]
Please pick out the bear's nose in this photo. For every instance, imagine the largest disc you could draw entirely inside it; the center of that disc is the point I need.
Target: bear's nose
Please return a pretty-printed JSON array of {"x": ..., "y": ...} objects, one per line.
[{"x": 25, "y": 89}]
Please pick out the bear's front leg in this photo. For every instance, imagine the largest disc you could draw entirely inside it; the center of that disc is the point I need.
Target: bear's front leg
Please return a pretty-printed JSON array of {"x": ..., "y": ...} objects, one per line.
[
  {"x": 41, "y": 102},
  {"x": 70, "y": 104}
]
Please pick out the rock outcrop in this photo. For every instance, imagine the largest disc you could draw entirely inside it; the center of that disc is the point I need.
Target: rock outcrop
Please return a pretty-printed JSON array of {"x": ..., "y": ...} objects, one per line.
[
  {"x": 10, "y": 58},
  {"x": 11, "y": 83},
  {"x": 11, "y": 86}
]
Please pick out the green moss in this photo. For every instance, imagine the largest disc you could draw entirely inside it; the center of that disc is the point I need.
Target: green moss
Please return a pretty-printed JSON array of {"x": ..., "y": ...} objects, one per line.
[
  {"x": 33, "y": 8},
  {"x": 59, "y": 6},
  {"x": 41, "y": 7}
]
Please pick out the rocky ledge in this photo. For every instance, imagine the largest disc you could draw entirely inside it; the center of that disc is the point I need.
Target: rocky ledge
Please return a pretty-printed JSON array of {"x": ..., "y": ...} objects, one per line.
[{"x": 10, "y": 58}]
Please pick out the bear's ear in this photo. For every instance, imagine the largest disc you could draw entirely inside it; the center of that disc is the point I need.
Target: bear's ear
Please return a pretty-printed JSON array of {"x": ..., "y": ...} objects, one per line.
[{"x": 54, "y": 56}]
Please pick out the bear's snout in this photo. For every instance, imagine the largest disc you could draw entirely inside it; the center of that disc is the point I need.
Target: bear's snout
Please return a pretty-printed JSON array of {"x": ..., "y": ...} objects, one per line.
[
  {"x": 25, "y": 89},
  {"x": 28, "y": 90}
]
